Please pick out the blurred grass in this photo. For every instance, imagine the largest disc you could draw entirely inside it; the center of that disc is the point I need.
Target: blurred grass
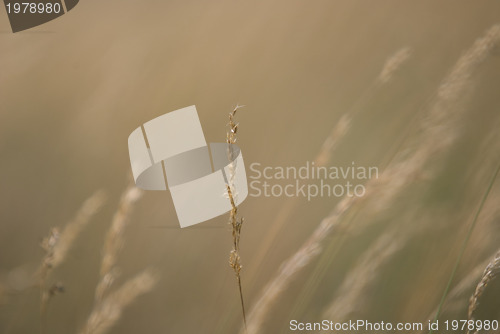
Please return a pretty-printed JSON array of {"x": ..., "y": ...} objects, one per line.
[{"x": 70, "y": 98}]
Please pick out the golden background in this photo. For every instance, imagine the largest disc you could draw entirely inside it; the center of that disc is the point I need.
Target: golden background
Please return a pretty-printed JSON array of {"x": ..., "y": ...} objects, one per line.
[{"x": 72, "y": 90}]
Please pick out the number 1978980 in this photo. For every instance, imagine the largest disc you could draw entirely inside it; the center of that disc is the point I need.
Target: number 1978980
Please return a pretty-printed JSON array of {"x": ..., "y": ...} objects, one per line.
[{"x": 33, "y": 8}]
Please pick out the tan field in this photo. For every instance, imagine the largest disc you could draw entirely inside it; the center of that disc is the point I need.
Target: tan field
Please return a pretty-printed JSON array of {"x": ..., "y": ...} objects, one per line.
[{"x": 410, "y": 88}]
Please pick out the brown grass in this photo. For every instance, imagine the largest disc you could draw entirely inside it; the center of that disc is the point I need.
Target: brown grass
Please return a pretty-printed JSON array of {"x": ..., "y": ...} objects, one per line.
[
  {"x": 363, "y": 274},
  {"x": 236, "y": 224},
  {"x": 332, "y": 141},
  {"x": 393, "y": 64},
  {"x": 109, "y": 310},
  {"x": 114, "y": 241},
  {"x": 57, "y": 246},
  {"x": 490, "y": 273},
  {"x": 311, "y": 248},
  {"x": 109, "y": 305},
  {"x": 437, "y": 133}
]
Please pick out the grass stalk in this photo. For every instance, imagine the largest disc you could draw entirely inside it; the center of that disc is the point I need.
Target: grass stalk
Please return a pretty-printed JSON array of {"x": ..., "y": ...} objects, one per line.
[
  {"x": 464, "y": 244},
  {"x": 57, "y": 246},
  {"x": 236, "y": 225},
  {"x": 490, "y": 273}
]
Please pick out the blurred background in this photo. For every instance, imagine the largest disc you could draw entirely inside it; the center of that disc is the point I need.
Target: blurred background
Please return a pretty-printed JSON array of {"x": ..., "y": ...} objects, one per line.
[{"x": 72, "y": 90}]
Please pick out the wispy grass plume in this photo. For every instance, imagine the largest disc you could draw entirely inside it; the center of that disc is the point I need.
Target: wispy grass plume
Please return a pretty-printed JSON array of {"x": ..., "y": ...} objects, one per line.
[
  {"x": 107, "y": 312},
  {"x": 393, "y": 64},
  {"x": 114, "y": 241},
  {"x": 464, "y": 244},
  {"x": 338, "y": 132},
  {"x": 352, "y": 291},
  {"x": 490, "y": 273},
  {"x": 334, "y": 138},
  {"x": 236, "y": 225},
  {"x": 438, "y": 132},
  {"x": 109, "y": 305},
  {"x": 57, "y": 246}
]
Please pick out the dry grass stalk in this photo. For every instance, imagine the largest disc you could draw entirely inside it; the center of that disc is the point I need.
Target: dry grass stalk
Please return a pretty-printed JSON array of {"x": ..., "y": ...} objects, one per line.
[
  {"x": 459, "y": 78},
  {"x": 438, "y": 130},
  {"x": 331, "y": 142},
  {"x": 393, "y": 64},
  {"x": 236, "y": 225},
  {"x": 329, "y": 145},
  {"x": 466, "y": 241},
  {"x": 107, "y": 313},
  {"x": 338, "y": 132},
  {"x": 292, "y": 266},
  {"x": 467, "y": 282},
  {"x": 351, "y": 292},
  {"x": 360, "y": 278},
  {"x": 109, "y": 306},
  {"x": 454, "y": 298},
  {"x": 486, "y": 231},
  {"x": 57, "y": 246},
  {"x": 261, "y": 309},
  {"x": 114, "y": 241},
  {"x": 490, "y": 273},
  {"x": 437, "y": 135},
  {"x": 323, "y": 157}
]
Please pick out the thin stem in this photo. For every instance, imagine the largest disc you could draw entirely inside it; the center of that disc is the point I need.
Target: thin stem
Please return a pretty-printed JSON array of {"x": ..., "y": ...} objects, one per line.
[
  {"x": 464, "y": 244},
  {"x": 234, "y": 255},
  {"x": 242, "y": 304}
]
